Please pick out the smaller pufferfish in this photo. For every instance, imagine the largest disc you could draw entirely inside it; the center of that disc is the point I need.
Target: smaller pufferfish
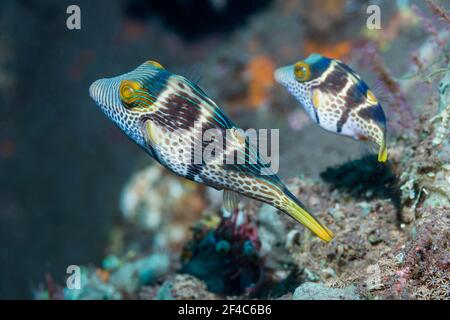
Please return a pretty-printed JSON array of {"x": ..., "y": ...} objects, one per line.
[{"x": 336, "y": 98}]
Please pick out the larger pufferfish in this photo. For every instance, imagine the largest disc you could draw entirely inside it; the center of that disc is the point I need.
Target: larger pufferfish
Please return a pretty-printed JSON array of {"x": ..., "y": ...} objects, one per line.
[
  {"x": 336, "y": 99},
  {"x": 150, "y": 104}
]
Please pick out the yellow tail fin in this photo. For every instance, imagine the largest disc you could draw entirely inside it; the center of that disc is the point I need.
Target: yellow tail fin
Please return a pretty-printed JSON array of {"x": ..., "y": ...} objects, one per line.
[
  {"x": 305, "y": 218},
  {"x": 382, "y": 153}
]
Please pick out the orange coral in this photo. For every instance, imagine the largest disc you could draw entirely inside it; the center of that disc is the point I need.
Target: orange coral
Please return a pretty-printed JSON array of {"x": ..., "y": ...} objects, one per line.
[
  {"x": 338, "y": 50},
  {"x": 260, "y": 72},
  {"x": 102, "y": 274},
  {"x": 321, "y": 16},
  {"x": 132, "y": 31}
]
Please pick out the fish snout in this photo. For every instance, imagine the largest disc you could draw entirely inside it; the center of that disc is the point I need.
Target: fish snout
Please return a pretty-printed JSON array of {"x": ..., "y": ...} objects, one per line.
[
  {"x": 105, "y": 93},
  {"x": 283, "y": 75},
  {"x": 95, "y": 90}
]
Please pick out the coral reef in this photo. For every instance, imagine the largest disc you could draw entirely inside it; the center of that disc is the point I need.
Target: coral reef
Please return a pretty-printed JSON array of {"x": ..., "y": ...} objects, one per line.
[
  {"x": 183, "y": 287},
  {"x": 444, "y": 92},
  {"x": 119, "y": 278},
  {"x": 225, "y": 256},
  {"x": 317, "y": 291},
  {"x": 423, "y": 271},
  {"x": 426, "y": 178},
  {"x": 391, "y": 220},
  {"x": 252, "y": 253},
  {"x": 161, "y": 203}
]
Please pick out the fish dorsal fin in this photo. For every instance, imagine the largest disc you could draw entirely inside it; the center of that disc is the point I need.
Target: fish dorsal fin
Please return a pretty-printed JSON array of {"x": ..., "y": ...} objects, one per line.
[
  {"x": 345, "y": 69},
  {"x": 192, "y": 72},
  {"x": 352, "y": 76},
  {"x": 230, "y": 201}
]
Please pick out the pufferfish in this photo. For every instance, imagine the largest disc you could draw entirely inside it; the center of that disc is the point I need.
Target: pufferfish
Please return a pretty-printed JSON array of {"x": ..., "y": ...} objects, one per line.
[
  {"x": 336, "y": 99},
  {"x": 150, "y": 105}
]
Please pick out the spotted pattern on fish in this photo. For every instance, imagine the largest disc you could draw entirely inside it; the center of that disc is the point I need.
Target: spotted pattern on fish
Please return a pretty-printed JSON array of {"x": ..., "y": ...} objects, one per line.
[
  {"x": 336, "y": 98},
  {"x": 167, "y": 116}
]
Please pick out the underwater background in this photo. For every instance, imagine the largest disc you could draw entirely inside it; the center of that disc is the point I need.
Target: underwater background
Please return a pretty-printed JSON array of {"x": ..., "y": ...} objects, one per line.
[{"x": 74, "y": 190}]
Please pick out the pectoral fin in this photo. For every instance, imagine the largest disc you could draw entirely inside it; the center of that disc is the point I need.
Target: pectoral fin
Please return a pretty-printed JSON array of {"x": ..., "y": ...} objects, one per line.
[
  {"x": 153, "y": 135},
  {"x": 230, "y": 200}
]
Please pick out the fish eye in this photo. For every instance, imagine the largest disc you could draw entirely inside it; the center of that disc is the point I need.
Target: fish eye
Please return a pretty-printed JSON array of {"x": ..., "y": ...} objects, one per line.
[
  {"x": 128, "y": 90},
  {"x": 154, "y": 64},
  {"x": 302, "y": 71}
]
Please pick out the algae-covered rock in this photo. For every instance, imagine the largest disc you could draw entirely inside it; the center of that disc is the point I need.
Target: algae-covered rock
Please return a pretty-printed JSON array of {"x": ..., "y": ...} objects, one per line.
[
  {"x": 166, "y": 205},
  {"x": 119, "y": 279},
  {"x": 444, "y": 92},
  {"x": 184, "y": 287},
  {"x": 318, "y": 291},
  {"x": 140, "y": 272},
  {"x": 225, "y": 256},
  {"x": 425, "y": 179},
  {"x": 272, "y": 231}
]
